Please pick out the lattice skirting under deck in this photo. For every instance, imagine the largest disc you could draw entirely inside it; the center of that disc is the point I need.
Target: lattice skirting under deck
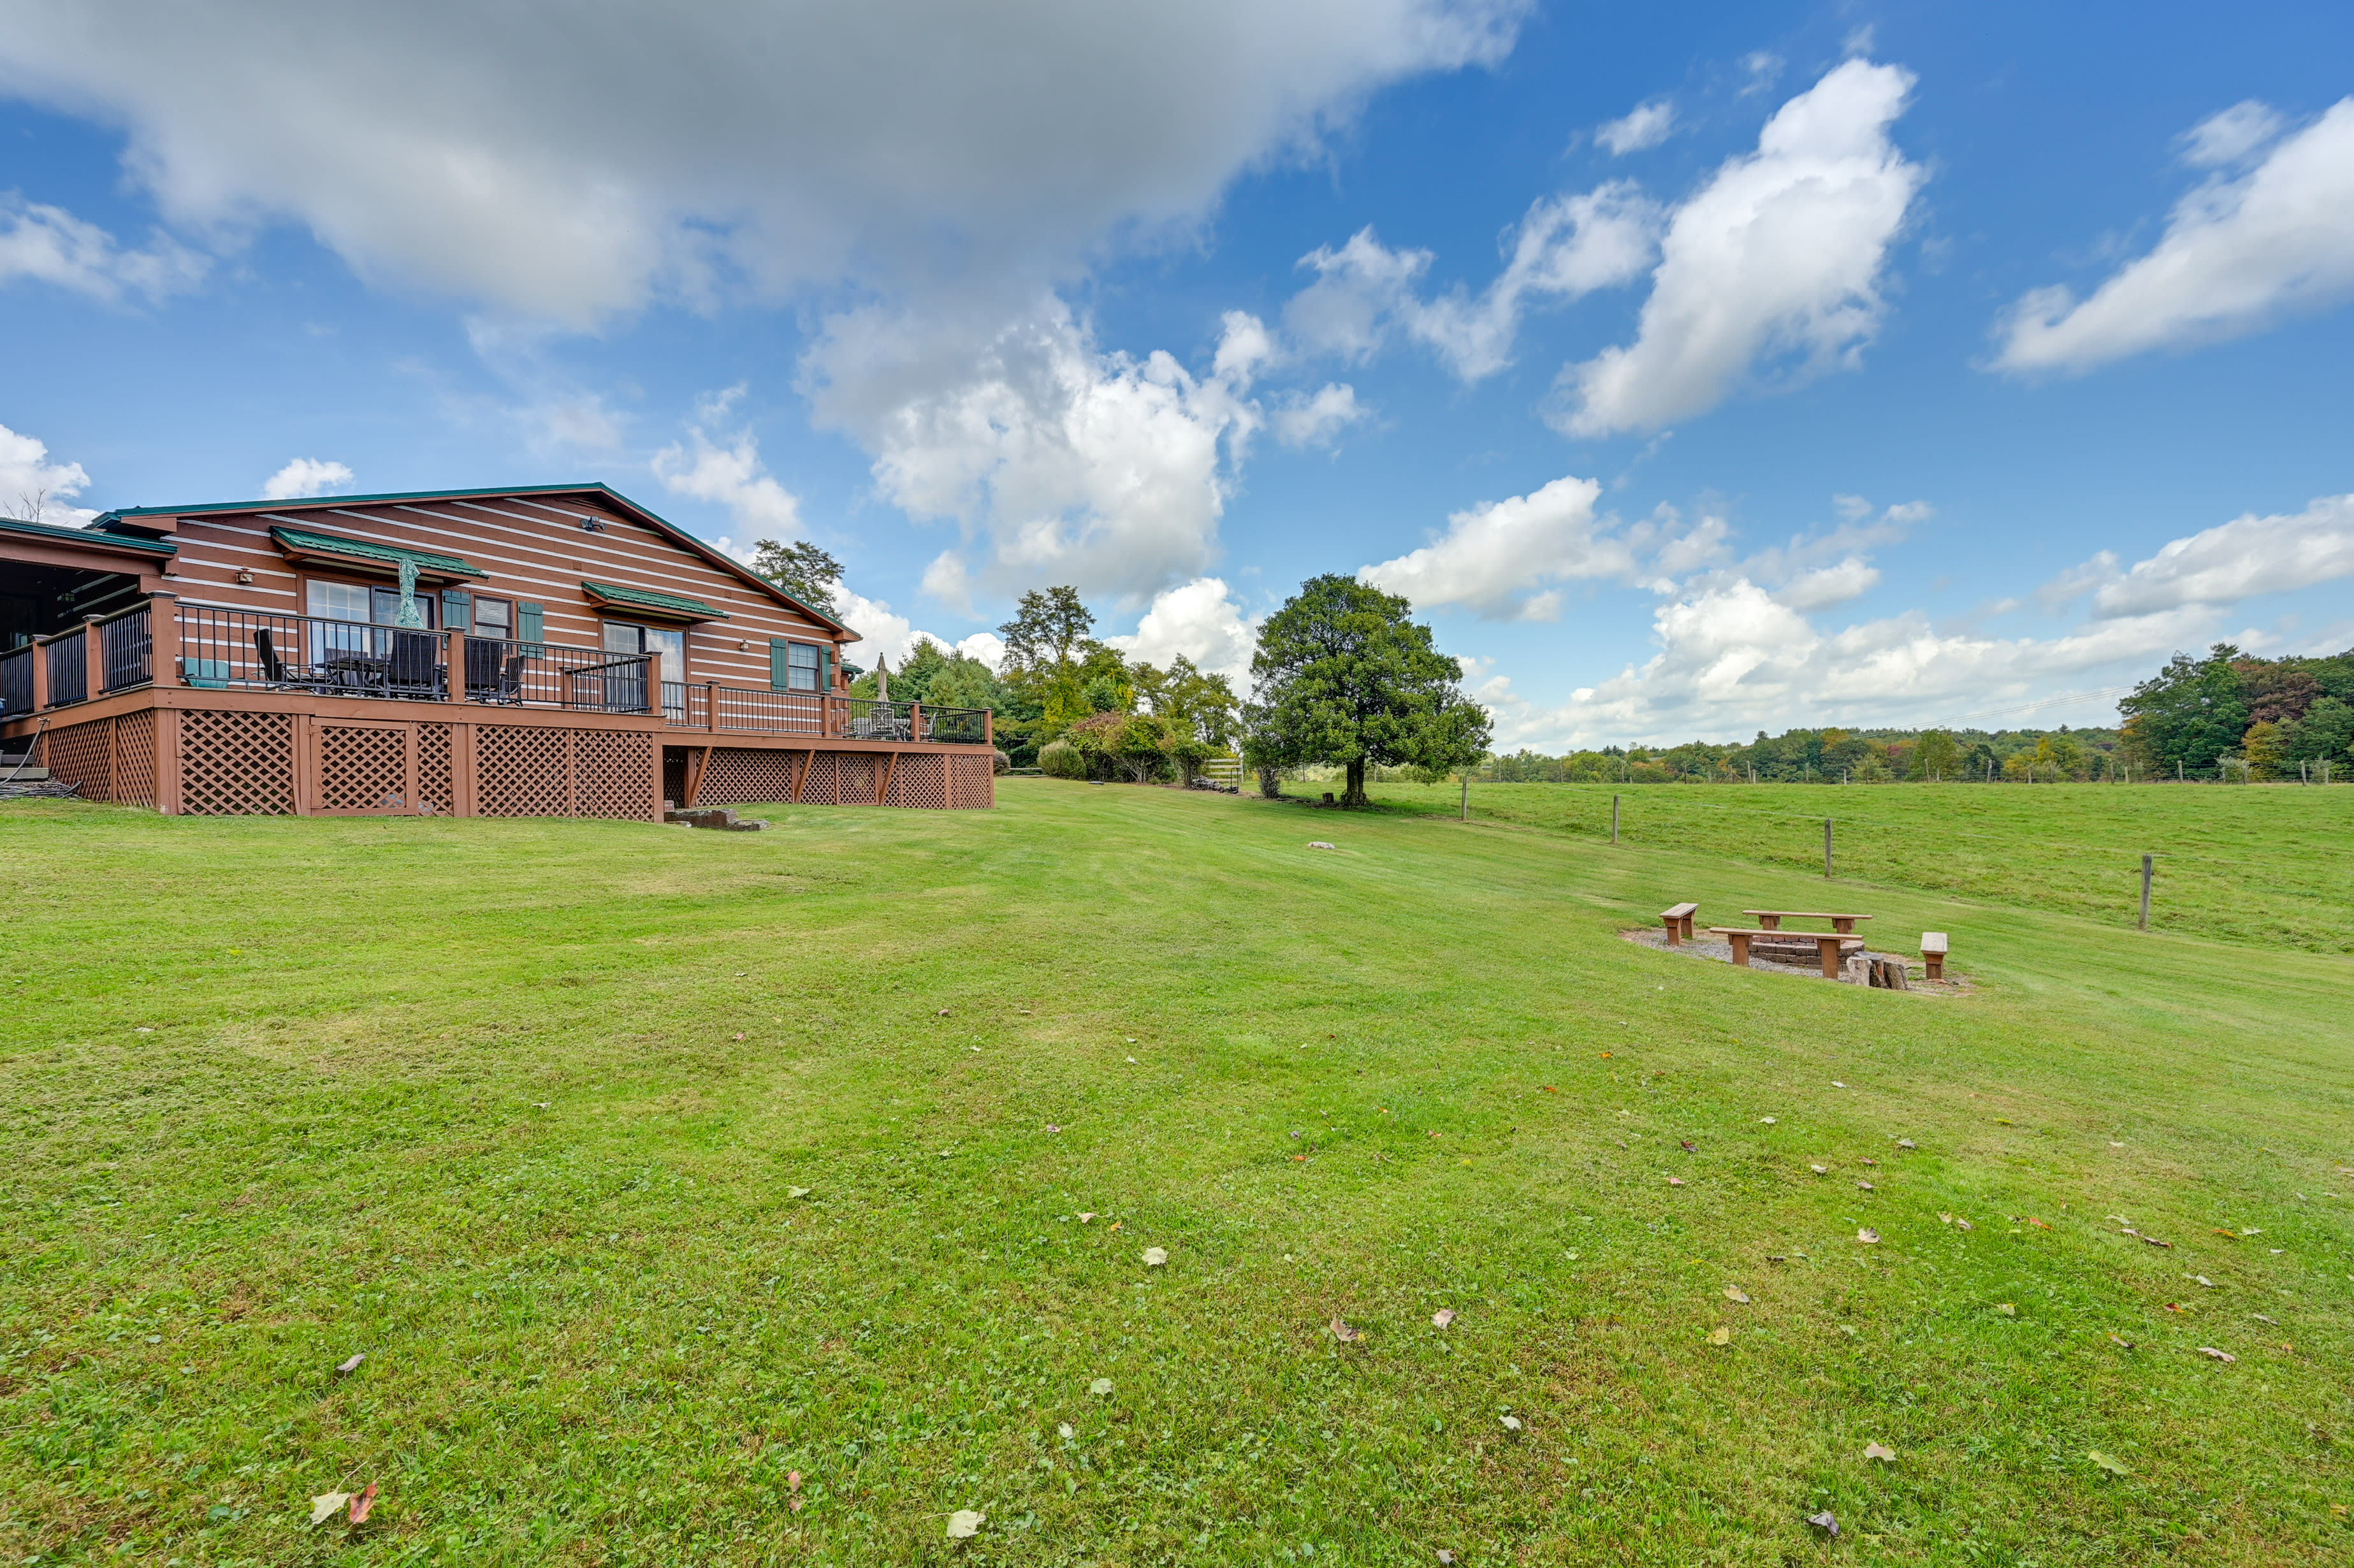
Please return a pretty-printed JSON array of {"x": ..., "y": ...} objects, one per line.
[
  {"x": 111, "y": 759},
  {"x": 923, "y": 781}
]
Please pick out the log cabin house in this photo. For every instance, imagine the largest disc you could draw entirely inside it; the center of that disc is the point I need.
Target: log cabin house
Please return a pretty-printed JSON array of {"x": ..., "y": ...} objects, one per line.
[{"x": 552, "y": 651}]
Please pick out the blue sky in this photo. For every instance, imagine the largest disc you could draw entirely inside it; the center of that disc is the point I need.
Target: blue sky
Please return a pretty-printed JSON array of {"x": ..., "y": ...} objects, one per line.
[{"x": 1695, "y": 372}]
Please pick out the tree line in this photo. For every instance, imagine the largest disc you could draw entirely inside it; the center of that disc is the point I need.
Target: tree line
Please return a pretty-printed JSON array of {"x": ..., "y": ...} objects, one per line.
[
  {"x": 2230, "y": 713},
  {"x": 1343, "y": 676}
]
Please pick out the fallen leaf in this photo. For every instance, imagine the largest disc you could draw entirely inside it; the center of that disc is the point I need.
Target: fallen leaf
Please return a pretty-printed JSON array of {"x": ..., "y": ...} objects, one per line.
[
  {"x": 1100, "y": 1387},
  {"x": 1964, "y": 1226},
  {"x": 739, "y": 1035},
  {"x": 1116, "y": 1223},
  {"x": 1085, "y": 1218},
  {"x": 2004, "y": 1121},
  {"x": 1720, "y": 1335},
  {"x": 797, "y": 1192},
  {"x": 1825, "y": 1521},
  {"x": 1134, "y": 1063},
  {"x": 1548, "y": 1088},
  {"x": 1511, "y": 1422},
  {"x": 2121, "y": 1340},
  {"x": 349, "y": 1367},
  {"x": 1342, "y": 1333},
  {"x": 2218, "y": 1355},
  {"x": 2204, "y": 1280},
  {"x": 944, "y": 1012},
  {"x": 964, "y": 1524},
  {"x": 1867, "y": 1236},
  {"x": 1906, "y": 1143},
  {"x": 2260, "y": 1317},
  {"x": 1605, "y": 1055},
  {"x": 1052, "y": 1127},
  {"x": 1154, "y": 1256},
  {"x": 2006, "y": 1309},
  {"x": 362, "y": 1504},
  {"x": 2039, "y": 1224},
  {"x": 1734, "y": 1293},
  {"x": 2113, "y": 1466},
  {"x": 1445, "y": 1555},
  {"x": 1943, "y": 1218},
  {"x": 792, "y": 1480},
  {"x": 1444, "y": 1315},
  {"x": 1768, "y": 1121},
  {"x": 327, "y": 1503},
  {"x": 1821, "y": 1170},
  {"x": 2176, "y": 1306},
  {"x": 1869, "y": 1160},
  {"x": 1880, "y": 1451},
  {"x": 1866, "y": 1186},
  {"x": 1675, "y": 1180}
]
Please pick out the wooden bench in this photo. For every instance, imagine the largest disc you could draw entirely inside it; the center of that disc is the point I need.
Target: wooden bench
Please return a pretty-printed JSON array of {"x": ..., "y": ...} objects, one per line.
[
  {"x": 1935, "y": 946},
  {"x": 1678, "y": 921},
  {"x": 1771, "y": 919},
  {"x": 1829, "y": 945}
]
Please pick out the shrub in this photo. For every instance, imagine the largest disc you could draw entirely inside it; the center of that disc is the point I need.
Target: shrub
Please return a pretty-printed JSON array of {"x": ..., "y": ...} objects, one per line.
[{"x": 1061, "y": 759}]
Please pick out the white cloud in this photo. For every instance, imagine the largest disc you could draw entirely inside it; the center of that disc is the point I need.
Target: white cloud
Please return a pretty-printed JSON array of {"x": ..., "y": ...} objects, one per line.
[
  {"x": 34, "y": 488},
  {"x": 50, "y": 245},
  {"x": 520, "y": 155},
  {"x": 1779, "y": 255},
  {"x": 1646, "y": 125},
  {"x": 728, "y": 473},
  {"x": 2237, "y": 256},
  {"x": 1313, "y": 419},
  {"x": 1734, "y": 658},
  {"x": 305, "y": 477},
  {"x": 1060, "y": 462},
  {"x": 1201, "y": 620},
  {"x": 1494, "y": 555},
  {"x": 2223, "y": 564},
  {"x": 2231, "y": 134},
  {"x": 1827, "y": 585},
  {"x": 1564, "y": 248},
  {"x": 886, "y": 634}
]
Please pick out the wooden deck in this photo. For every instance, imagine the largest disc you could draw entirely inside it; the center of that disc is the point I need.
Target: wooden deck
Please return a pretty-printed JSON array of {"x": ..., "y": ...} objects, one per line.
[{"x": 155, "y": 706}]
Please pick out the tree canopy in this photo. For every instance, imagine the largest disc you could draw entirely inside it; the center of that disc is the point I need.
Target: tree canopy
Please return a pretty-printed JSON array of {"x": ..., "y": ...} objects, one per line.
[
  {"x": 802, "y": 570},
  {"x": 1343, "y": 675}
]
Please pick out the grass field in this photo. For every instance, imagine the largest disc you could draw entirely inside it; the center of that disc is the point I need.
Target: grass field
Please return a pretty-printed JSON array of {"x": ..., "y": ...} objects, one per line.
[
  {"x": 2265, "y": 863},
  {"x": 523, "y": 1111}
]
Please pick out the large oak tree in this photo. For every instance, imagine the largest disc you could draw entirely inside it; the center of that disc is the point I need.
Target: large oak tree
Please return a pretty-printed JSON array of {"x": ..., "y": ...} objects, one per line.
[{"x": 1344, "y": 676}]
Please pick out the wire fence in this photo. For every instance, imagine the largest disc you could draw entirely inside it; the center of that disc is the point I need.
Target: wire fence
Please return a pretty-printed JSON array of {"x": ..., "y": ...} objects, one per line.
[{"x": 2293, "y": 882}]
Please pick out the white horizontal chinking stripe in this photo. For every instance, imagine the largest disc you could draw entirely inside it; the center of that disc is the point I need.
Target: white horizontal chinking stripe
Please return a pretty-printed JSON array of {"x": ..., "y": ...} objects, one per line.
[{"x": 714, "y": 576}]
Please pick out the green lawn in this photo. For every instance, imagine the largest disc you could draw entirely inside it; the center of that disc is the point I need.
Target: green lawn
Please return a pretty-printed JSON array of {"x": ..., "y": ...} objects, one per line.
[
  {"x": 2265, "y": 863},
  {"x": 468, "y": 1097}
]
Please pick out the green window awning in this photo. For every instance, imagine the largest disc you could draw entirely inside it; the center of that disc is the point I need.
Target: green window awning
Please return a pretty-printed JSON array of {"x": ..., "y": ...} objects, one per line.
[
  {"x": 676, "y": 605},
  {"x": 299, "y": 541}
]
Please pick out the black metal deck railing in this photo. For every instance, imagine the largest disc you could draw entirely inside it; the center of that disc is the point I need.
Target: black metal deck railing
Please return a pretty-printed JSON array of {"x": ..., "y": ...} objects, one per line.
[
  {"x": 16, "y": 680},
  {"x": 127, "y": 646},
  {"x": 69, "y": 667}
]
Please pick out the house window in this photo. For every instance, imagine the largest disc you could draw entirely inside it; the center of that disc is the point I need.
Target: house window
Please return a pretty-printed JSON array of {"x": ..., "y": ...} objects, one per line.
[
  {"x": 362, "y": 603},
  {"x": 801, "y": 667},
  {"x": 621, "y": 637},
  {"x": 495, "y": 617}
]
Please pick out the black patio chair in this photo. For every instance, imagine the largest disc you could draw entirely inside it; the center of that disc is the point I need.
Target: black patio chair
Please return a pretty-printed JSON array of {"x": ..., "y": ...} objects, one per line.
[
  {"x": 412, "y": 669},
  {"x": 276, "y": 670}
]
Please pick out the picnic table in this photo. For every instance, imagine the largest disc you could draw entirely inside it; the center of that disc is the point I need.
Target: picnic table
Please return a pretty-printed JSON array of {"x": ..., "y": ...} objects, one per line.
[
  {"x": 1831, "y": 947},
  {"x": 1771, "y": 919}
]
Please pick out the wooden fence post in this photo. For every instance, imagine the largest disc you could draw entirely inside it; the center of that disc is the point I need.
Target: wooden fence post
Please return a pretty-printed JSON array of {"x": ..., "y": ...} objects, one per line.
[
  {"x": 2144, "y": 893},
  {"x": 1614, "y": 819},
  {"x": 1826, "y": 849}
]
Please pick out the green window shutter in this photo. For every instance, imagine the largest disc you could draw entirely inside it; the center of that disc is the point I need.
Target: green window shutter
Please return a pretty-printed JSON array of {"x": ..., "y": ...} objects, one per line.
[
  {"x": 457, "y": 610},
  {"x": 825, "y": 669},
  {"x": 531, "y": 622},
  {"x": 780, "y": 658}
]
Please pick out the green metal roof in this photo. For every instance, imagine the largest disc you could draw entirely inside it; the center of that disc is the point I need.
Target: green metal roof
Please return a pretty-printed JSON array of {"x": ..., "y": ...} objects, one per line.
[
  {"x": 674, "y": 603},
  {"x": 84, "y": 536},
  {"x": 335, "y": 543}
]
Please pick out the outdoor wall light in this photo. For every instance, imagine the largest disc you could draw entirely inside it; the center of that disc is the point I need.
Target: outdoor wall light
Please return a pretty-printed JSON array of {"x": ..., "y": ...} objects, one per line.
[
  {"x": 245, "y": 574},
  {"x": 590, "y": 525}
]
